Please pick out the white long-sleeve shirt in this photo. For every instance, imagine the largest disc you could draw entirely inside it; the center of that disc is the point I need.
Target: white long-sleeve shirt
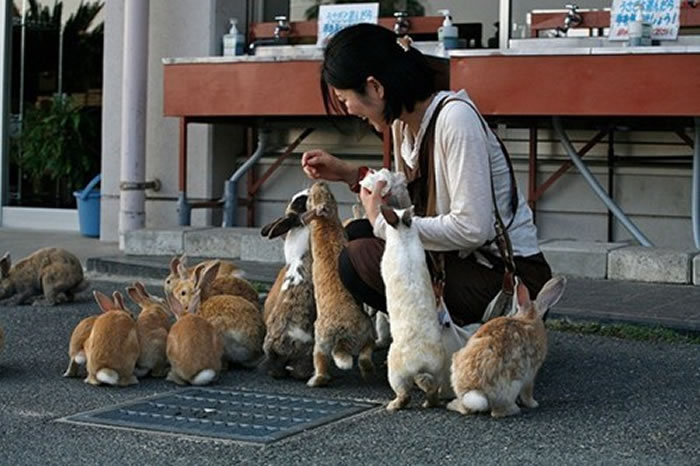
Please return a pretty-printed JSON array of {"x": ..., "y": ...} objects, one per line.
[{"x": 464, "y": 206}]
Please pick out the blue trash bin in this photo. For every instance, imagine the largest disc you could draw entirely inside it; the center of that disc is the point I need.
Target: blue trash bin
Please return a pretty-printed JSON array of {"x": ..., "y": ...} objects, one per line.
[{"x": 89, "y": 208}]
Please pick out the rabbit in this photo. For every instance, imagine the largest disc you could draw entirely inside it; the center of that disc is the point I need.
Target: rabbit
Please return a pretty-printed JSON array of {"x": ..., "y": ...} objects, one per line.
[
  {"x": 216, "y": 285},
  {"x": 499, "y": 363},
  {"x": 152, "y": 325},
  {"x": 227, "y": 269},
  {"x": 194, "y": 348},
  {"x": 239, "y": 323},
  {"x": 76, "y": 350},
  {"x": 52, "y": 272},
  {"x": 342, "y": 329},
  {"x": 273, "y": 293},
  {"x": 112, "y": 347},
  {"x": 416, "y": 355},
  {"x": 289, "y": 341}
]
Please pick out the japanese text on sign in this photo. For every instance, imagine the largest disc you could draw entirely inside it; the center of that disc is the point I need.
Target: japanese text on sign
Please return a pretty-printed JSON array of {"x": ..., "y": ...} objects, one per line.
[
  {"x": 333, "y": 18},
  {"x": 662, "y": 15}
]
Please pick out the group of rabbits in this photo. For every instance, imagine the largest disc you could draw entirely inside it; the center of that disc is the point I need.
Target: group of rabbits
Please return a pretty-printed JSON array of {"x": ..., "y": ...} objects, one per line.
[
  {"x": 312, "y": 319},
  {"x": 217, "y": 322},
  {"x": 309, "y": 321}
]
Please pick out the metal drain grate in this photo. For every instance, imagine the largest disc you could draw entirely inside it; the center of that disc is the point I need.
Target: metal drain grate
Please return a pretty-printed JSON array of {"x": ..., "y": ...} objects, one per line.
[{"x": 226, "y": 414}]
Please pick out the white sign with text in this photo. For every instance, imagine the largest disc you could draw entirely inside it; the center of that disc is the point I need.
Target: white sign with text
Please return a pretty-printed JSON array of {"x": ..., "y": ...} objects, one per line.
[
  {"x": 662, "y": 15},
  {"x": 333, "y": 18}
]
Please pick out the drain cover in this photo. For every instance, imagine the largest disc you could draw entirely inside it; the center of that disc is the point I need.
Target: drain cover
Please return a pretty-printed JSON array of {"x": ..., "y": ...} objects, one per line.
[{"x": 227, "y": 414}]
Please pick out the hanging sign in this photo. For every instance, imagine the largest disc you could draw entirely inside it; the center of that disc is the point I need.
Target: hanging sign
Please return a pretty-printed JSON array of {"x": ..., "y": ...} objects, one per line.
[
  {"x": 662, "y": 15},
  {"x": 333, "y": 18}
]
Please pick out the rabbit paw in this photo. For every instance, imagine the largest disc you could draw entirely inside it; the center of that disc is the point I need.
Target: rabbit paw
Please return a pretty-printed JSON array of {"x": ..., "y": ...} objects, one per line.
[
  {"x": 456, "y": 405},
  {"x": 319, "y": 380}
]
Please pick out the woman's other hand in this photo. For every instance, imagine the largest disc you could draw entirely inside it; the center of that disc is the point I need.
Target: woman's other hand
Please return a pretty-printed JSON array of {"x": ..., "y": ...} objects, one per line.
[
  {"x": 320, "y": 165},
  {"x": 371, "y": 201}
]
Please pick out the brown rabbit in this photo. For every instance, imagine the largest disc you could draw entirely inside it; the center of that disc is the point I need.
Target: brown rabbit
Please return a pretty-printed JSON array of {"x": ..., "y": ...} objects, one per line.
[
  {"x": 499, "y": 363},
  {"x": 274, "y": 292},
  {"x": 290, "y": 318},
  {"x": 113, "y": 345},
  {"x": 52, "y": 272},
  {"x": 342, "y": 329},
  {"x": 76, "y": 350},
  {"x": 226, "y": 269},
  {"x": 215, "y": 285},
  {"x": 152, "y": 325},
  {"x": 194, "y": 348},
  {"x": 239, "y": 323}
]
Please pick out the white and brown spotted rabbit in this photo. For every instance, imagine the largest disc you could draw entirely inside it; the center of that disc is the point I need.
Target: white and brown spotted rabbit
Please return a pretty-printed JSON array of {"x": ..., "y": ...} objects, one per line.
[
  {"x": 112, "y": 348},
  {"x": 499, "y": 363},
  {"x": 50, "y": 276},
  {"x": 152, "y": 324},
  {"x": 290, "y": 317},
  {"x": 194, "y": 348},
  {"x": 342, "y": 329}
]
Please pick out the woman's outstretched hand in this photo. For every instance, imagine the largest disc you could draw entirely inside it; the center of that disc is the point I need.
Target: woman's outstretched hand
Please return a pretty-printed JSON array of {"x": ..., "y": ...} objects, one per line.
[{"x": 320, "y": 165}]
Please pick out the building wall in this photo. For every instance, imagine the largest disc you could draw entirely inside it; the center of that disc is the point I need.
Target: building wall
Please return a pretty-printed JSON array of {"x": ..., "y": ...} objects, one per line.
[
  {"x": 657, "y": 198},
  {"x": 177, "y": 28}
]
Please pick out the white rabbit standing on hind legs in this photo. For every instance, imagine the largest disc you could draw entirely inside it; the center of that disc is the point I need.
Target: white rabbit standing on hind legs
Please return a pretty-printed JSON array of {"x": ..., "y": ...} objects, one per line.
[
  {"x": 499, "y": 364},
  {"x": 416, "y": 355}
]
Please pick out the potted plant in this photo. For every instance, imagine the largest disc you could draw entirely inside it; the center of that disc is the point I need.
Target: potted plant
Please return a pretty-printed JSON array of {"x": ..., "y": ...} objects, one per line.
[{"x": 57, "y": 144}]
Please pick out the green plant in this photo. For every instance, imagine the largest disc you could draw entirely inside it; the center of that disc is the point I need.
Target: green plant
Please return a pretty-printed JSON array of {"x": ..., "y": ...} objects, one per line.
[
  {"x": 54, "y": 143},
  {"x": 386, "y": 7}
]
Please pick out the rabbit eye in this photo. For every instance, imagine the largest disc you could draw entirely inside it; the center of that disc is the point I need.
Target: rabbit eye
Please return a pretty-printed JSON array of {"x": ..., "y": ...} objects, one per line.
[{"x": 183, "y": 293}]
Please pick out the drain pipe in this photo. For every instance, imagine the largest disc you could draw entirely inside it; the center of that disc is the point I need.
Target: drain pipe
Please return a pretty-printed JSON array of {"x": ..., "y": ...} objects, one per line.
[
  {"x": 231, "y": 186},
  {"x": 695, "y": 195},
  {"x": 132, "y": 202},
  {"x": 595, "y": 185}
]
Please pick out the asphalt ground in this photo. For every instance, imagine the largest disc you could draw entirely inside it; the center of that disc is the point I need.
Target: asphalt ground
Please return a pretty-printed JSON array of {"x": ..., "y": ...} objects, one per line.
[{"x": 602, "y": 401}]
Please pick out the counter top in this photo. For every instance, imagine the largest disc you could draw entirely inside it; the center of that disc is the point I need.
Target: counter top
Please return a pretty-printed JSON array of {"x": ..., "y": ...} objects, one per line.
[{"x": 545, "y": 51}]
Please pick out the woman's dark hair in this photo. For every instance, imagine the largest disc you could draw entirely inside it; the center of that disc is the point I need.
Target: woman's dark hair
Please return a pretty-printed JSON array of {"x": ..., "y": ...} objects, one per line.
[{"x": 357, "y": 52}]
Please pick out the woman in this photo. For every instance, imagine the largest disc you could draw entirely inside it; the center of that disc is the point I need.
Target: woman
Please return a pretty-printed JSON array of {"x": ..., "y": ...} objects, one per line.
[{"x": 451, "y": 160}]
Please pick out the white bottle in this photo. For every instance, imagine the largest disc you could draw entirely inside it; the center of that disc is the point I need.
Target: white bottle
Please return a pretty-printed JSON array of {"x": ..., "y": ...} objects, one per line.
[
  {"x": 233, "y": 42},
  {"x": 447, "y": 33}
]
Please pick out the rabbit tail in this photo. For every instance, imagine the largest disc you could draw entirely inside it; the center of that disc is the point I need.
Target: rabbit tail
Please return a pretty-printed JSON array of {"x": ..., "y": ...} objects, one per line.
[
  {"x": 108, "y": 376},
  {"x": 475, "y": 401},
  {"x": 342, "y": 356},
  {"x": 204, "y": 377}
]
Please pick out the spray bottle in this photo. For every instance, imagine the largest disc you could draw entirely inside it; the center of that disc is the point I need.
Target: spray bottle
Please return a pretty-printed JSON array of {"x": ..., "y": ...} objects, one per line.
[{"x": 447, "y": 33}]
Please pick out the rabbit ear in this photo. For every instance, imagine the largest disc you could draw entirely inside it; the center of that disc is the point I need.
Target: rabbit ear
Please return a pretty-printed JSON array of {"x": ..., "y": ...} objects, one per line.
[
  {"x": 174, "y": 263},
  {"x": 5, "y": 265},
  {"x": 118, "y": 299},
  {"x": 208, "y": 275},
  {"x": 389, "y": 215},
  {"x": 174, "y": 305},
  {"x": 283, "y": 225},
  {"x": 407, "y": 217},
  {"x": 103, "y": 301},
  {"x": 194, "y": 302},
  {"x": 182, "y": 271},
  {"x": 522, "y": 295},
  {"x": 133, "y": 293},
  {"x": 265, "y": 231},
  {"x": 550, "y": 294}
]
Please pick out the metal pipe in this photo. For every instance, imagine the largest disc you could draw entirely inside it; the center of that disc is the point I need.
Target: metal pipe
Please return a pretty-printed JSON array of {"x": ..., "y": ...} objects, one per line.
[
  {"x": 5, "y": 48},
  {"x": 504, "y": 18},
  {"x": 695, "y": 194},
  {"x": 595, "y": 185},
  {"x": 231, "y": 186},
  {"x": 132, "y": 203}
]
